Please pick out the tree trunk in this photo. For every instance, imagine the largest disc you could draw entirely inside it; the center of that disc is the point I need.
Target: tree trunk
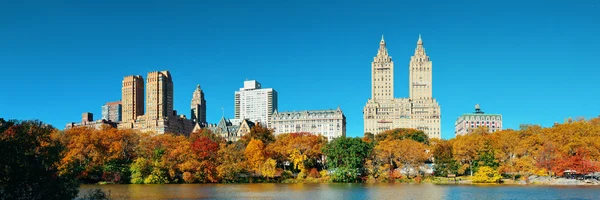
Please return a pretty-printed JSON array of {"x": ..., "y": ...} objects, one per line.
[{"x": 471, "y": 167}]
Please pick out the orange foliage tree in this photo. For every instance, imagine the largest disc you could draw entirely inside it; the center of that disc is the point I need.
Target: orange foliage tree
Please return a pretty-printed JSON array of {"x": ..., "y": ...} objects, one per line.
[{"x": 299, "y": 145}]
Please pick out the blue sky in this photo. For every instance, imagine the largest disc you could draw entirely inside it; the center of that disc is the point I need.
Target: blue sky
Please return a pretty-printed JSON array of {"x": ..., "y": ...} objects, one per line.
[{"x": 534, "y": 62}]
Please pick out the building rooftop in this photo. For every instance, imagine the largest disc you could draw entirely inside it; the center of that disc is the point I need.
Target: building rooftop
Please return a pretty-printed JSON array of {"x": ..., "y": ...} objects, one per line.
[{"x": 478, "y": 112}]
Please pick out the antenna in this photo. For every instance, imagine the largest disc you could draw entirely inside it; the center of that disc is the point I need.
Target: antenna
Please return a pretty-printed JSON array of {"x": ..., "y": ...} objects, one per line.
[{"x": 222, "y": 112}]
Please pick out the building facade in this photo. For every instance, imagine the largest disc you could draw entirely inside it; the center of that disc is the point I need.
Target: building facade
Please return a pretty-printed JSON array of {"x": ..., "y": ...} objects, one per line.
[
  {"x": 159, "y": 95},
  {"x": 420, "y": 111},
  {"x": 254, "y": 103},
  {"x": 112, "y": 111},
  {"x": 87, "y": 120},
  {"x": 228, "y": 129},
  {"x": 132, "y": 99},
  {"x": 470, "y": 121},
  {"x": 328, "y": 123},
  {"x": 198, "y": 106}
]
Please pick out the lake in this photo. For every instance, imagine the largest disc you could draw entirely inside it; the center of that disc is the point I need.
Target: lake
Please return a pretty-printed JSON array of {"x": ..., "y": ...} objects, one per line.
[{"x": 344, "y": 191}]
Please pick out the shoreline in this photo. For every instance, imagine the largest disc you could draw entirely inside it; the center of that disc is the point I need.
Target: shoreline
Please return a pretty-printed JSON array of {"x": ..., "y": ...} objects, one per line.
[{"x": 507, "y": 182}]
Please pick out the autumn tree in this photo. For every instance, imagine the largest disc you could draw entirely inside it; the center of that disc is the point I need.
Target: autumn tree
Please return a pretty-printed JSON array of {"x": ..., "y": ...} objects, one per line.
[
  {"x": 268, "y": 168},
  {"x": 487, "y": 175},
  {"x": 100, "y": 155},
  {"x": 205, "y": 132},
  {"x": 170, "y": 156},
  {"x": 255, "y": 155},
  {"x": 410, "y": 155},
  {"x": 578, "y": 162},
  {"x": 31, "y": 152},
  {"x": 231, "y": 159},
  {"x": 444, "y": 159},
  {"x": 465, "y": 149},
  {"x": 387, "y": 152},
  {"x": 206, "y": 148},
  {"x": 301, "y": 148},
  {"x": 369, "y": 137},
  {"x": 259, "y": 132}
]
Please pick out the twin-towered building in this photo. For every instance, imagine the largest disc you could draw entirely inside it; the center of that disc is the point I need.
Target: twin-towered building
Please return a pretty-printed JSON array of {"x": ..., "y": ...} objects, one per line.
[
  {"x": 420, "y": 111},
  {"x": 159, "y": 117}
]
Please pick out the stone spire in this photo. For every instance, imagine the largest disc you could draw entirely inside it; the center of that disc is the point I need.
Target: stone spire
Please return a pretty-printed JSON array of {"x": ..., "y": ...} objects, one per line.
[
  {"x": 420, "y": 50},
  {"x": 382, "y": 53}
]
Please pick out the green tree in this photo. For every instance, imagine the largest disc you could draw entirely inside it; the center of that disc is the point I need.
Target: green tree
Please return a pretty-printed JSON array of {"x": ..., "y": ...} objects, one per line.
[
  {"x": 403, "y": 133},
  {"x": 30, "y": 154},
  {"x": 346, "y": 157},
  {"x": 486, "y": 158}
]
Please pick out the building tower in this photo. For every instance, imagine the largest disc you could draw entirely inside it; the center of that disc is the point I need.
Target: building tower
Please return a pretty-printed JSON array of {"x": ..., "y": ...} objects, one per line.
[
  {"x": 132, "y": 98},
  {"x": 198, "y": 106},
  {"x": 382, "y": 78},
  {"x": 159, "y": 95},
  {"x": 255, "y": 103},
  {"x": 420, "y": 80},
  {"x": 112, "y": 111}
]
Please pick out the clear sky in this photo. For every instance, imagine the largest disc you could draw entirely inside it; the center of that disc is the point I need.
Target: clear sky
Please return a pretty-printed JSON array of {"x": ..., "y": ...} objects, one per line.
[{"x": 534, "y": 62}]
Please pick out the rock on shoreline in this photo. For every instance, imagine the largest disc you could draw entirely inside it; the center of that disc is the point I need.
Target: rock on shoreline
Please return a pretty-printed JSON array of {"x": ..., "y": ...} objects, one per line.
[{"x": 546, "y": 180}]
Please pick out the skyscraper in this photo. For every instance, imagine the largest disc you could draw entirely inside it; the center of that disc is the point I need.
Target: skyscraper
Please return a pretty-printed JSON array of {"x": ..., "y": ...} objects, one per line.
[
  {"x": 255, "y": 103},
  {"x": 132, "y": 98},
  {"x": 159, "y": 95},
  {"x": 198, "y": 106},
  {"x": 112, "y": 111},
  {"x": 420, "y": 111}
]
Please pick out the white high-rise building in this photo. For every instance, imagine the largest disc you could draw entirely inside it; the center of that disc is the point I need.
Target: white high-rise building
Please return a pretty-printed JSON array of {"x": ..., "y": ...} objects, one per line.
[
  {"x": 255, "y": 103},
  {"x": 420, "y": 111}
]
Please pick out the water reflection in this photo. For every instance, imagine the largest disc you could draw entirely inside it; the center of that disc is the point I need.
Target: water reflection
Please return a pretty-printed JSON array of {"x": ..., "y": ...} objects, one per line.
[{"x": 343, "y": 191}]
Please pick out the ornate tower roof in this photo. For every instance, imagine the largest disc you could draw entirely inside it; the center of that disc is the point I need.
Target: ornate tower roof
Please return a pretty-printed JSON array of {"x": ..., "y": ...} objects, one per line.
[
  {"x": 382, "y": 53},
  {"x": 420, "y": 50}
]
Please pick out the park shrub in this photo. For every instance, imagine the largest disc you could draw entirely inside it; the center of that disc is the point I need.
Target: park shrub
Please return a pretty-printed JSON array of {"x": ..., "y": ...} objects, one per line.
[{"x": 487, "y": 174}]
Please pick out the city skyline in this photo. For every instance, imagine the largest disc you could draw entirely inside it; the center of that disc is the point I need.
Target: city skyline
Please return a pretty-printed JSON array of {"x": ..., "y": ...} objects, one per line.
[{"x": 528, "y": 65}]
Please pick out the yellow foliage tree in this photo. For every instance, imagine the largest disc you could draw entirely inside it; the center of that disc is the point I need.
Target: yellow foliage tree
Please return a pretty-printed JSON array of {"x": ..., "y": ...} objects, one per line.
[
  {"x": 486, "y": 174},
  {"x": 298, "y": 159},
  {"x": 268, "y": 168},
  {"x": 411, "y": 155},
  {"x": 255, "y": 155}
]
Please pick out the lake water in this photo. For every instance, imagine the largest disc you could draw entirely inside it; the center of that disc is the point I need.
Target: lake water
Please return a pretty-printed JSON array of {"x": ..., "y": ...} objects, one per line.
[{"x": 344, "y": 191}]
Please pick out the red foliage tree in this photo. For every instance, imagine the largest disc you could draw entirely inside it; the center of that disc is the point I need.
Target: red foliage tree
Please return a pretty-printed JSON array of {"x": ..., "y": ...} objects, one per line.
[{"x": 580, "y": 163}]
